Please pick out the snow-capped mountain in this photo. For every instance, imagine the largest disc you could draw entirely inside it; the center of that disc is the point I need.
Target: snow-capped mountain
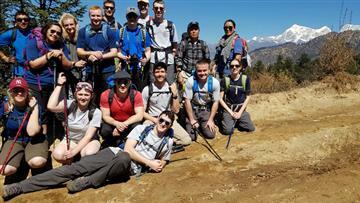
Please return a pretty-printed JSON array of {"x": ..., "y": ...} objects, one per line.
[
  {"x": 296, "y": 34},
  {"x": 349, "y": 27}
]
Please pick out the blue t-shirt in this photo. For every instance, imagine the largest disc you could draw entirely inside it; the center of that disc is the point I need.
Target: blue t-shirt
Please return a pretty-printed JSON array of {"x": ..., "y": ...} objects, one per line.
[
  {"x": 97, "y": 42},
  {"x": 236, "y": 94},
  {"x": 43, "y": 76},
  {"x": 18, "y": 44},
  {"x": 224, "y": 65},
  {"x": 13, "y": 122}
]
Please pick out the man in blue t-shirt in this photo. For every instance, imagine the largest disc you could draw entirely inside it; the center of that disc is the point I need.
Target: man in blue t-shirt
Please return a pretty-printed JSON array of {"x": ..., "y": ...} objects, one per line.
[
  {"x": 16, "y": 38},
  {"x": 134, "y": 43},
  {"x": 97, "y": 44}
]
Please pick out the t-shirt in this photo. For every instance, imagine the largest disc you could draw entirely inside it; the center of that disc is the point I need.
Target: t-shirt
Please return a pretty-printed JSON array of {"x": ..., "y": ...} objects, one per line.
[
  {"x": 159, "y": 100},
  {"x": 78, "y": 122},
  {"x": 143, "y": 21},
  {"x": 120, "y": 110},
  {"x": 202, "y": 97},
  {"x": 18, "y": 44},
  {"x": 236, "y": 94},
  {"x": 161, "y": 39},
  {"x": 148, "y": 148},
  {"x": 97, "y": 42},
  {"x": 44, "y": 75}
]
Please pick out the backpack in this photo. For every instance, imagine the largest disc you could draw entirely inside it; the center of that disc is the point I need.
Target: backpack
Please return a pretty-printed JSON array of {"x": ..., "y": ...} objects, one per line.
[
  {"x": 243, "y": 82},
  {"x": 195, "y": 87},
  {"x": 169, "y": 26},
  {"x": 37, "y": 35},
  {"x": 245, "y": 58},
  {"x": 90, "y": 33},
  {"x": 121, "y": 36},
  {"x": 132, "y": 94},
  {"x": 151, "y": 92},
  {"x": 73, "y": 106}
]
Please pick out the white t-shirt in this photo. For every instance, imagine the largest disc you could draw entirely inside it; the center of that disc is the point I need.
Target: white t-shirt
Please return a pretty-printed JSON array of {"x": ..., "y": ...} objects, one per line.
[
  {"x": 202, "y": 97},
  {"x": 159, "y": 100},
  {"x": 78, "y": 122}
]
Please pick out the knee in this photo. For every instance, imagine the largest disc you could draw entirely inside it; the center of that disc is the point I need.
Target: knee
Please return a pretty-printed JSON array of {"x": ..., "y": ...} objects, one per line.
[
  {"x": 125, "y": 159},
  {"x": 37, "y": 162},
  {"x": 9, "y": 170},
  {"x": 58, "y": 155},
  {"x": 226, "y": 131}
]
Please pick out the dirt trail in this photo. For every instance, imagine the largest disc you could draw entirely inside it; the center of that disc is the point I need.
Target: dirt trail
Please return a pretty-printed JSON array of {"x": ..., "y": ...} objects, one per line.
[{"x": 305, "y": 149}]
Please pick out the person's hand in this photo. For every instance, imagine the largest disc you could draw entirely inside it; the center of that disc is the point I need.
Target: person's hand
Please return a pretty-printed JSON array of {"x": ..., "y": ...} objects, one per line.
[
  {"x": 80, "y": 64},
  {"x": 92, "y": 58},
  {"x": 194, "y": 124},
  {"x": 61, "y": 78},
  {"x": 10, "y": 59},
  {"x": 69, "y": 154},
  {"x": 98, "y": 55},
  {"x": 211, "y": 125},
  {"x": 143, "y": 61},
  {"x": 116, "y": 132},
  {"x": 155, "y": 165},
  {"x": 32, "y": 102},
  {"x": 121, "y": 126},
  {"x": 237, "y": 115},
  {"x": 54, "y": 54},
  {"x": 173, "y": 89}
]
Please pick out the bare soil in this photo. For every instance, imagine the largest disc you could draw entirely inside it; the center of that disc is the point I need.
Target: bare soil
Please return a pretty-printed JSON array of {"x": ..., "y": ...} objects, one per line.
[{"x": 305, "y": 149}]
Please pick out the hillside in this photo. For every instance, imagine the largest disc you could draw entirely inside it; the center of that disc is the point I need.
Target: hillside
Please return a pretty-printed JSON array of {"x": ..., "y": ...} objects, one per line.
[
  {"x": 305, "y": 148},
  {"x": 269, "y": 55}
]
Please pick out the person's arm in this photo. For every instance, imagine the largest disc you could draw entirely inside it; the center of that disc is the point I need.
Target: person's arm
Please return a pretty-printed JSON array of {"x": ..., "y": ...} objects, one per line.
[
  {"x": 106, "y": 116},
  {"x": 145, "y": 98},
  {"x": 7, "y": 59},
  {"x": 223, "y": 103},
  {"x": 33, "y": 127},
  {"x": 111, "y": 54},
  {"x": 189, "y": 111},
  {"x": 137, "y": 117},
  {"x": 175, "y": 104},
  {"x": 90, "y": 132},
  {"x": 53, "y": 104},
  {"x": 243, "y": 107},
  {"x": 156, "y": 165}
]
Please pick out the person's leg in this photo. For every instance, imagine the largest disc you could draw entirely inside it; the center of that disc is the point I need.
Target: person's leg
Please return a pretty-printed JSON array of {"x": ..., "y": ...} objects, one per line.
[
  {"x": 91, "y": 148},
  {"x": 36, "y": 154},
  {"x": 189, "y": 127},
  {"x": 203, "y": 119},
  {"x": 59, "y": 152},
  {"x": 15, "y": 157},
  {"x": 106, "y": 132},
  {"x": 245, "y": 123},
  {"x": 180, "y": 135},
  {"x": 170, "y": 77},
  {"x": 227, "y": 123}
]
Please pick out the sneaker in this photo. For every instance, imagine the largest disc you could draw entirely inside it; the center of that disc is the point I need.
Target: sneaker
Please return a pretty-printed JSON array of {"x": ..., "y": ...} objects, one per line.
[
  {"x": 11, "y": 191},
  {"x": 78, "y": 184}
]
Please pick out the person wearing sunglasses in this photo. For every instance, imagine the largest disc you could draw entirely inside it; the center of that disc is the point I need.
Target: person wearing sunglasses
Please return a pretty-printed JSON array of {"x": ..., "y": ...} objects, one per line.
[
  {"x": 109, "y": 11},
  {"x": 97, "y": 45},
  {"x": 15, "y": 38},
  {"x": 70, "y": 28},
  {"x": 143, "y": 6},
  {"x": 83, "y": 121},
  {"x": 122, "y": 109},
  {"x": 148, "y": 148},
  {"x": 21, "y": 117},
  {"x": 160, "y": 96},
  {"x": 229, "y": 48},
  {"x": 163, "y": 40},
  {"x": 134, "y": 53},
  {"x": 234, "y": 98},
  {"x": 45, "y": 57}
]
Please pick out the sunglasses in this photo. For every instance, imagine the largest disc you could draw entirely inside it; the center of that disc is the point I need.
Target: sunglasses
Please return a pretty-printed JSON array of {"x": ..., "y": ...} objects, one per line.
[
  {"x": 18, "y": 90},
  {"x": 161, "y": 120},
  {"x": 142, "y": 4},
  {"x": 84, "y": 85},
  {"x": 158, "y": 8},
  {"x": 54, "y": 31},
  {"x": 19, "y": 20},
  {"x": 131, "y": 16},
  {"x": 109, "y": 8},
  {"x": 235, "y": 66},
  {"x": 230, "y": 28},
  {"x": 123, "y": 82}
]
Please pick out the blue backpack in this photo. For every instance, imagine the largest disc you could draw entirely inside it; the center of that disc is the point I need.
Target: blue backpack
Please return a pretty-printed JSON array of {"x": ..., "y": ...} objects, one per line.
[
  {"x": 195, "y": 87},
  {"x": 90, "y": 33}
]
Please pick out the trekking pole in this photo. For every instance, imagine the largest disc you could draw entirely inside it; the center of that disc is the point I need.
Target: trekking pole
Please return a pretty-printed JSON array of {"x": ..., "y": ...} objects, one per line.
[
  {"x": 66, "y": 122},
  {"x": 12, "y": 144},
  {"x": 53, "y": 64},
  {"x": 210, "y": 148},
  {"x": 232, "y": 130}
]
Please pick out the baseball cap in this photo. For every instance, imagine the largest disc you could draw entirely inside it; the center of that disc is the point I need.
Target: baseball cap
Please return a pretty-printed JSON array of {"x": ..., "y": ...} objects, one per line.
[
  {"x": 193, "y": 24},
  {"x": 122, "y": 75},
  {"x": 132, "y": 10},
  {"x": 146, "y": 1},
  {"x": 18, "y": 83}
]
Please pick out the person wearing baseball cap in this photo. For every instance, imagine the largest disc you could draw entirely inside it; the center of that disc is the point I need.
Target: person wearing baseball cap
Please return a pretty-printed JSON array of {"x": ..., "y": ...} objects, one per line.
[
  {"x": 143, "y": 6},
  {"x": 22, "y": 112},
  {"x": 122, "y": 109}
]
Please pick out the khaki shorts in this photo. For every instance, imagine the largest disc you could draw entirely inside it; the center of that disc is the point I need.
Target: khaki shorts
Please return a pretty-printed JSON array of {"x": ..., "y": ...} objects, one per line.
[{"x": 37, "y": 147}]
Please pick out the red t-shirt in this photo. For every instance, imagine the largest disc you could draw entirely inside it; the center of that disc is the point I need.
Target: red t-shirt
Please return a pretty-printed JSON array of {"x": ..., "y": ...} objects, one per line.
[{"x": 121, "y": 110}]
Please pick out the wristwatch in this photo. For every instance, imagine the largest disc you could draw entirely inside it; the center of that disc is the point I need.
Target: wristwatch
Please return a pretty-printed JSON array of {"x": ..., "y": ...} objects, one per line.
[{"x": 175, "y": 97}]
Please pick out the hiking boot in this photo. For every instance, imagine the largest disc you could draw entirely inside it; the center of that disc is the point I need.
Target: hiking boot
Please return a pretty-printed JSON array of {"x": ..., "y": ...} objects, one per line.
[
  {"x": 78, "y": 184},
  {"x": 177, "y": 148},
  {"x": 11, "y": 191}
]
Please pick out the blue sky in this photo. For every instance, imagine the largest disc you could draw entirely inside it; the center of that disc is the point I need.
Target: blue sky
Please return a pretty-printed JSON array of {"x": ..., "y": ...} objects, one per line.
[{"x": 252, "y": 17}]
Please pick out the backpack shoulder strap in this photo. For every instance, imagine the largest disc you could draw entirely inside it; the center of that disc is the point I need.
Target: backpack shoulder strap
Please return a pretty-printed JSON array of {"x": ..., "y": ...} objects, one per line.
[
  {"x": 243, "y": 81},
  {"x": 13, "y": 35},
  {"x": 210, "y": 84},
  {"x": 169, "y": 26},
  {"x": 145, "y": 132},
  {"x": 150, "y": 28},
  {"x": 87, "y": 32},
  {"x": 104, "y": 30},
  {"x": 111, "y": 96},
  {"x": 203, "y": 48},
  {"x": 234, "y": 41},
  {"x": 121, "y": 34},
  {"x": 227, "y": 83},
  {"x": 143, "y": 37},
  {"x": 132, "y": 95},
  {"x": 195, "y": 86},
  {"x": 91, "y": 113},
  {"x": 150, "y": 88}
]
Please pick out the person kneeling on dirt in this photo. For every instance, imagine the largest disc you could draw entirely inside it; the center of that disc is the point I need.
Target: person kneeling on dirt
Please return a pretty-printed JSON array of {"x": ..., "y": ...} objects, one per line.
[
  {"x": 83, "y": 121},
  {"x": 202, "y": 94},
  {"x": 234, "y": 98},
  {"x": 122, "y": 109},
  {"x": 149, "y": 148},
  {"x": 160, "y": 96}
]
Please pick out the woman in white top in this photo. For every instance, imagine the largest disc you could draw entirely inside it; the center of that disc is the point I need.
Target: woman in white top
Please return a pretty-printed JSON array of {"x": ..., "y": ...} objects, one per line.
[{"x": 83, "y": 121}]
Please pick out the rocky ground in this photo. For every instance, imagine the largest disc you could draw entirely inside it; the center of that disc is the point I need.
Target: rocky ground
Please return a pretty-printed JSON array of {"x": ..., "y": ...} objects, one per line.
[{"x": 305, "y": 149}]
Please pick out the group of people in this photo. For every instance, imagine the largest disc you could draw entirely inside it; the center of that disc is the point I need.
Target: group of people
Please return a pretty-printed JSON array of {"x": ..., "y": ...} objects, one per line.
[{"x": 132, "y": 87}]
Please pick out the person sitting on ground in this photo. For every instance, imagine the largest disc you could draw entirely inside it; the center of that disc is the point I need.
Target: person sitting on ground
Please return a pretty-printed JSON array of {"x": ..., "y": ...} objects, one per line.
[
  {"x": 160, "y": 96},
  {"x": 234, "y": 98},
  {"x": 149, "y": 148},
  {"x": 122, "y": 109},
  {"x": 83, "y": 121},
  {"x": 21, "y": 113},
  {"x": 202, "y": 94}
]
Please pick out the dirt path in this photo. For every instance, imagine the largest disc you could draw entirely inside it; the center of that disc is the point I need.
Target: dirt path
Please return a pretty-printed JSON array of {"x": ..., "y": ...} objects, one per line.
[{"x": 305, "y": 149}]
